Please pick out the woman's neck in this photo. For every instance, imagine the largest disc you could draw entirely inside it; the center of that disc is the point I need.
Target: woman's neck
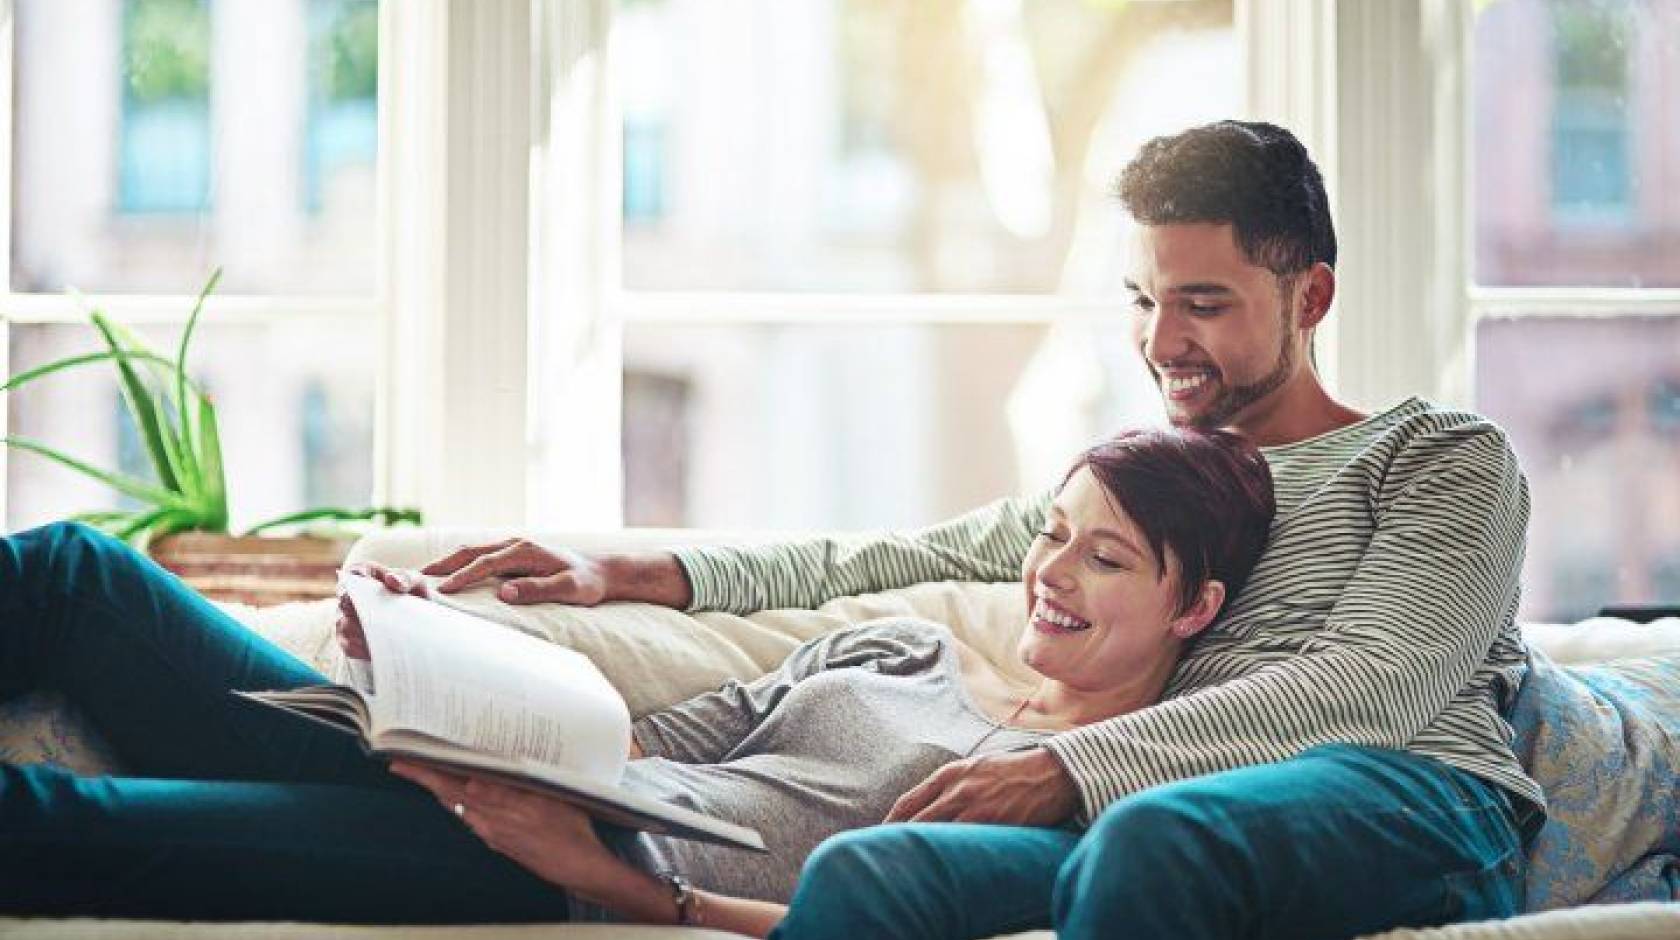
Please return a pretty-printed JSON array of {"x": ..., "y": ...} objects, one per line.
[{"x": 1061, "y": 705}]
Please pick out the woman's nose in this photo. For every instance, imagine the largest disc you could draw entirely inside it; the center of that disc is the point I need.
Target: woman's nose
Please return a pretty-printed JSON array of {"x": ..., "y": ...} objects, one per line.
[{"x": 1053, "y": 570}]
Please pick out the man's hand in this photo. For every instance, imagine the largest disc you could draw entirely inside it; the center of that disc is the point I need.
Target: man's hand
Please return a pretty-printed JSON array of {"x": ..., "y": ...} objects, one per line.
[
  {"x": 1021, "y": 788},
  {"x": 539, "y": 574},
  {"x": 536, "y": 573}
]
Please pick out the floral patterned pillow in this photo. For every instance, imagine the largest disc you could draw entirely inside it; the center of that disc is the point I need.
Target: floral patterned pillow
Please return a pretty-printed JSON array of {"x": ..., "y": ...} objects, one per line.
[{"x": 1604, "y": 743}]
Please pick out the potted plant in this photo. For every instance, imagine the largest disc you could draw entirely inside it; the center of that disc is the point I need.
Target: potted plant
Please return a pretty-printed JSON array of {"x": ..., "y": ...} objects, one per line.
[{"x": 182, "y": 517}]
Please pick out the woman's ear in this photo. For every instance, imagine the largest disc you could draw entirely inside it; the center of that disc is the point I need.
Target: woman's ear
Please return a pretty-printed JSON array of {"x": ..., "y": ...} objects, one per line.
[{"x": 1196, "y": 619}]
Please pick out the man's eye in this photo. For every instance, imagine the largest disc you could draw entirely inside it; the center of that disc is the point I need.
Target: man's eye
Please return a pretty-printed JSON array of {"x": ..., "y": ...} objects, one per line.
[
  {"x": 1050, "y": 535},
  {"x": 1142, "y": 304},
  {"x": 1205, "y": 310},
  {"x": 1106, "y": 564}
]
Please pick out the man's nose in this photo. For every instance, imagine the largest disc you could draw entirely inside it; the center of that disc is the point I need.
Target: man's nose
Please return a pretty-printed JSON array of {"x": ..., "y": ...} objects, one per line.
[{"x": 1161, "y": 337}]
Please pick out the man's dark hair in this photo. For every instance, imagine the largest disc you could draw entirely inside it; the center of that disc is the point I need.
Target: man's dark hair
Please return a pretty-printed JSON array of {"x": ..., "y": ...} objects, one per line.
[
  {"x": 1205, "y": 496},
  {"x": 1256, "y": 176}
]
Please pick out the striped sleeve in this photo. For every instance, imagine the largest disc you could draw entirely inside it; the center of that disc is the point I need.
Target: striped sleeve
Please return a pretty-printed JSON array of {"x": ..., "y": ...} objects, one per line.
[
  {"x": 1425, "y": 605},
  {"x": 987, "y": 544}
]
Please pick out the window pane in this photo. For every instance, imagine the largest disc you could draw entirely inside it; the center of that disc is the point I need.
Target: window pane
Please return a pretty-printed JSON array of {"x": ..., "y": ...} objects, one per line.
[
  {"x": 156, "y": 139},
  {"x": 296, "y": 417},
  {"x": 820, "y": 427},
  {"x": 1577, "y": 163},
  {"x": 898, "y": 145},
  {"x": 1593, "y": 409}
]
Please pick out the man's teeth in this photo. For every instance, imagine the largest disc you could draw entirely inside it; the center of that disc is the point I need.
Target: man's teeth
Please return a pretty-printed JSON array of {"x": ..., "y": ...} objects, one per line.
[
  {"x": 1060, "y": 619},
  {"x": 1185, "y": 383}
]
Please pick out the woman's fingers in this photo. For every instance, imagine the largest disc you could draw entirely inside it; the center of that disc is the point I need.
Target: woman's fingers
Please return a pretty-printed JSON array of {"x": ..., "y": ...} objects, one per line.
[{"x": 448, "y": 788}]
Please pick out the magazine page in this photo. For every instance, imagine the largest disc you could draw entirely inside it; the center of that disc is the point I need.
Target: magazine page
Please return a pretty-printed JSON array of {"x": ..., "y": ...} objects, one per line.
[{"x": 454, "y": 676}]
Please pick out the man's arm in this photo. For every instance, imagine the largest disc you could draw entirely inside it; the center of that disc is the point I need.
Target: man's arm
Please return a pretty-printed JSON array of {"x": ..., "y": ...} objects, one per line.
[
  {"x": 987, "y": 544},
  {"x": 1433, "y": 590}
]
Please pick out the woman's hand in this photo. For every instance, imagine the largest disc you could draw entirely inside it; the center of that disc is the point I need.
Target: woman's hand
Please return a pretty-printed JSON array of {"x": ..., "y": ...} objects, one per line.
[
  {"x": 548, "y": 837},
  {"x": 555, "y": 841},
  {"x": 351, "y": 639}
]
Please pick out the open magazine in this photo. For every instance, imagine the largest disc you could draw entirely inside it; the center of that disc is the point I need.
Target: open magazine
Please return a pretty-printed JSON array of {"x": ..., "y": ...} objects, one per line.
[{"x": 459, "y": 692}]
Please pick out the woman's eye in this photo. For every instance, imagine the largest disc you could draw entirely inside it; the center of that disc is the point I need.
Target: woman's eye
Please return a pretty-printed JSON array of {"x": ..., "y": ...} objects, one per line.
[
  {"x": 1051, "y": 535},
  {"x": 1106, "y": 564}
]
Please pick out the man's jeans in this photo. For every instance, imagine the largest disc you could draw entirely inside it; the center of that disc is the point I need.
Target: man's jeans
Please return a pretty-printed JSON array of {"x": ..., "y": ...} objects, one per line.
[
  {"x": 1338, "y": 842},
  {"x": 311, "y": 829}
]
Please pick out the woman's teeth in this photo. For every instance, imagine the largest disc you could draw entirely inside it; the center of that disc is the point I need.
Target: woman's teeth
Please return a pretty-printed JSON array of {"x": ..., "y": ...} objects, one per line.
[{"x": 1056, "y": 617}]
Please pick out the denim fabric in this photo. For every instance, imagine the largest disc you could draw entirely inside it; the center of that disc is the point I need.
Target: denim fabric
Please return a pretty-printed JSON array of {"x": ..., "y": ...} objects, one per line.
[
  {"x": 1337, "y": 842},
  {"x": 236, "y": 811}
]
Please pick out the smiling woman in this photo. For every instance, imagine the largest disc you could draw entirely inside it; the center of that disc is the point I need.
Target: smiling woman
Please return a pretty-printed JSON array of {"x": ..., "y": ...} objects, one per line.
[{"x": 830, "y": 741}]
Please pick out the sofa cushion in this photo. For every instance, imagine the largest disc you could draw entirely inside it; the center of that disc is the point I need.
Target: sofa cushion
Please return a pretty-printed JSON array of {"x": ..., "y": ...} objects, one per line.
[{"x": 1604, "y": 742}]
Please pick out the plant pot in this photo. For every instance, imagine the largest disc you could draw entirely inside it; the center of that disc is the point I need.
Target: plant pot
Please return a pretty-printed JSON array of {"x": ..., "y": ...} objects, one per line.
[{"x": 259, "y": 570}]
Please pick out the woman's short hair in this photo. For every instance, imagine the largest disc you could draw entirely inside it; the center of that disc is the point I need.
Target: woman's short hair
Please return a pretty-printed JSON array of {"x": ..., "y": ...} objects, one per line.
[{"x": 1204, "y": 496}]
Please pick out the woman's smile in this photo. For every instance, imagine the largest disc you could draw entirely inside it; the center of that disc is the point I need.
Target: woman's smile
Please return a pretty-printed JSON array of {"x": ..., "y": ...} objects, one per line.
[{"x": 1052, "y": 618}]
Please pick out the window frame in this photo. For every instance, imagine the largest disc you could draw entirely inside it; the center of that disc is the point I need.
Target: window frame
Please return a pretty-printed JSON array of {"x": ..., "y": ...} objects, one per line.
[{"x": 27, "y": 309}]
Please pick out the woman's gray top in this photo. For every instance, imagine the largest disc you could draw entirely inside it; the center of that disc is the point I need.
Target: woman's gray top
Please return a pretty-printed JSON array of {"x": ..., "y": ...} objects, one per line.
[{"x": 825, "y": 743}]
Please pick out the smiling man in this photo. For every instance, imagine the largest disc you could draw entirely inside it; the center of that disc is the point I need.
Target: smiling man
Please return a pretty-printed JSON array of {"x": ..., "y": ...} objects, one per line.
[{"x": 1330, "y": 759}]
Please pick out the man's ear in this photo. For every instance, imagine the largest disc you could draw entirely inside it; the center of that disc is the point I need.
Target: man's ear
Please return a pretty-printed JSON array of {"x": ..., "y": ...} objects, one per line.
[
  {"x": 1196, "y": 619},
  {"x": 1318, "y": 290}
]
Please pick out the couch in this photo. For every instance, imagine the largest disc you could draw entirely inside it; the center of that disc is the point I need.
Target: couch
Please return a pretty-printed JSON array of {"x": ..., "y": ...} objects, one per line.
[{"x": 656, "y": 656}]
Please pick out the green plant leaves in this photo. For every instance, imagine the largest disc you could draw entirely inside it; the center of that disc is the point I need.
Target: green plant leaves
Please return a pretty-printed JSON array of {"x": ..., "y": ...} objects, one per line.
[
  {"x": 177, "y": 426},
  {"x": 143, "y": 407},
  {"x": 24, "y": 378},
  {"x": 382, "y": 515},
  {"x": 128, "y": 486}
]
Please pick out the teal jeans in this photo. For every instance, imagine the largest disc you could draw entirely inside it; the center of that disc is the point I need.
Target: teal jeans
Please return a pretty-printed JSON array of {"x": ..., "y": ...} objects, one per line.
[
  {"x": 234, "y": 811},
  {"x": 1338, "y": 842}
]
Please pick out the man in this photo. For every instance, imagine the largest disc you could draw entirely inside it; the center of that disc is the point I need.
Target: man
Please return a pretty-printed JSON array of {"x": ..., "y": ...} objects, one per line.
[{"x": 1329, "y": 760}]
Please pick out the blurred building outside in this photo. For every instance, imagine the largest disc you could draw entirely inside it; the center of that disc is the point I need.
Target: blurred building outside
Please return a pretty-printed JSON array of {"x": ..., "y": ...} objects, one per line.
[{"x": 848, "y": 148}]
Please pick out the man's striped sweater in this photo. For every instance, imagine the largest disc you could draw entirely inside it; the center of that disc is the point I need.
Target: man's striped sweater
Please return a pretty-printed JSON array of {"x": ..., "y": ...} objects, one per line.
[{"x": 1382, "y": 611}]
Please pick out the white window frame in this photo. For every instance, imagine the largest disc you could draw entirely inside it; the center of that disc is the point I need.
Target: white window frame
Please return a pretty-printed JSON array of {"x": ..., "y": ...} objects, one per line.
[
  {"x": 450, "y": 295},
  {"x": 1404, "y": 123},
  {"x": 500, "y": 239},
  {"x": 575, "y": 451},
  {"x": 33, "y": 309}
]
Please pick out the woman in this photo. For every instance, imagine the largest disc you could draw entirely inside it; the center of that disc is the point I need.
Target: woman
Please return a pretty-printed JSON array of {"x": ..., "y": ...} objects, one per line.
[{"x": 261, "y": 816}]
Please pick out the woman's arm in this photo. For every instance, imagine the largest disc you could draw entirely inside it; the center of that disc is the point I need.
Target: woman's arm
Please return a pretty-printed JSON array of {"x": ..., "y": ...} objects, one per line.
[{"x": 557, "y": 842}]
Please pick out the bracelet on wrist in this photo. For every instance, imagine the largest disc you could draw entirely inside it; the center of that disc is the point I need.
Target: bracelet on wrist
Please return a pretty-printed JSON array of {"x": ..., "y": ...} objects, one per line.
[{"x": 682, "y": 893}]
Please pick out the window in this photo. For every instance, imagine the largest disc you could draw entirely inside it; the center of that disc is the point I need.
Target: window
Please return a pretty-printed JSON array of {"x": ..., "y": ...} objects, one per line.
[
  {"x": 1590, "y": 113},
  {"x": 1575, "y": 142},
  {"x": 152, "y": 141},
  {"x": 165, "y": 133},
  {"x": 868, "y": 248},
  {"x": 1577, "y": 252}
]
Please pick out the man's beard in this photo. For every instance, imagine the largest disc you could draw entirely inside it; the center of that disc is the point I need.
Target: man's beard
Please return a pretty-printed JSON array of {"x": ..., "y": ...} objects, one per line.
[{"x": 1233, "y": 399}]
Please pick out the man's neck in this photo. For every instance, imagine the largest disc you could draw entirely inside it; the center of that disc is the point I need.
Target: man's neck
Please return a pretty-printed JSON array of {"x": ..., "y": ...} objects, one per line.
[{"x": 1297, "y": 411}]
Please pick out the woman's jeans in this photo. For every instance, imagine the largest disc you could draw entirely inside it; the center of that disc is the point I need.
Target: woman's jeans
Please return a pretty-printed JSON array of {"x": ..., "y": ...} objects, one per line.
[
  {"x": 235, "y": 811},
  {"x": 1338, "y": 842}
]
